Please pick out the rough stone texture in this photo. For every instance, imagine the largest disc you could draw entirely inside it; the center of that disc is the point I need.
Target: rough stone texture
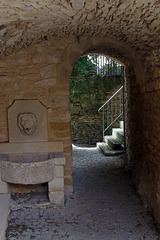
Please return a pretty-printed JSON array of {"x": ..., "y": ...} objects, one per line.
[
  {"x": 56, "y": 186},
  {"x": 39, "y": 45},
  {"x": 57, "y": 198},
  {"x": 86, "y": 121},
  {"x": 144, "y": 122},
  {"x": 26, "y": 165},
  {"x": 28, "y": 173},
  {"x": 26, "y": 23},
  {"x": 52, "y": 148},
  {"x": 59, "y": 161},
  {"x": 3, "y": 185},
  {"x": 19, "y": 132},
  {"x": 59, "y": 171}
]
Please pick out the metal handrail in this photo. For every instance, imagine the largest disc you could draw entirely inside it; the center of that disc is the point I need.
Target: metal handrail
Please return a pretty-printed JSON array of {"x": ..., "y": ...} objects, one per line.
[
  {"x": 110, "y": 98},
  {"x": 114, "y": 109}
]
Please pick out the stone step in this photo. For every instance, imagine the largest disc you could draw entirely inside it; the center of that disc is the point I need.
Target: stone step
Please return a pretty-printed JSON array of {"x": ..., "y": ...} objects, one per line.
[
  {"x": 118, "y": 134},
  {"x": 121, "y": 125},
  {"x": 113, "y": 143},
  {"x": 107, "y": 151}
]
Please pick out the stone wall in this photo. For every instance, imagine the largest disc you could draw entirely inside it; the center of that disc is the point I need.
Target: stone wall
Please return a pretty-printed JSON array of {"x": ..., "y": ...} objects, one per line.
[
  {"x": 86, "y": 128},
  {"x": 86, "y": 122},
  {"x": 143, "y": 140},
  {"x": 33, "y": 74},
  {"x": 135, "y": 23},
  {"x": 43, "y": 72},
  {"x": 142, "y": 115}
]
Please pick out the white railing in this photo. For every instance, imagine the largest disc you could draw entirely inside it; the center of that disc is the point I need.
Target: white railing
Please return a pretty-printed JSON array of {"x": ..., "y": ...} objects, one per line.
[{"x": 112, "y": 109}]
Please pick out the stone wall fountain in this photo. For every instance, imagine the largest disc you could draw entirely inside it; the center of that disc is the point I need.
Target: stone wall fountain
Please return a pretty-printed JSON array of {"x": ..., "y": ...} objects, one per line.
[{"x": 29, "y": 158}]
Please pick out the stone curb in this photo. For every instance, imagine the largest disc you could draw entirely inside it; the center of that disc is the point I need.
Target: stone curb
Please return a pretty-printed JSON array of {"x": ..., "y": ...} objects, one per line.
[{"x": 4, "y": 211}]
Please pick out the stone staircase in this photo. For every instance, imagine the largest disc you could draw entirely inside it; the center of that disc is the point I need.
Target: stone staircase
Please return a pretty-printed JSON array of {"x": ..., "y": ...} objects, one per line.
[{"x": 113, "y": 144}]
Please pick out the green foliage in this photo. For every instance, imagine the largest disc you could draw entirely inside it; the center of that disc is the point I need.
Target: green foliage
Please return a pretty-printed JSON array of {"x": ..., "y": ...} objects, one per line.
[
  {"x": 88, "y": 87},
  {"x": 84, "y": 66},
  {"x": 82, "y": 77}
]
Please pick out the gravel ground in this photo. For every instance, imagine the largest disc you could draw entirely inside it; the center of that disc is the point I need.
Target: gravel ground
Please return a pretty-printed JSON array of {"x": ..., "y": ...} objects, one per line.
[{"x": 104, "y": 206}]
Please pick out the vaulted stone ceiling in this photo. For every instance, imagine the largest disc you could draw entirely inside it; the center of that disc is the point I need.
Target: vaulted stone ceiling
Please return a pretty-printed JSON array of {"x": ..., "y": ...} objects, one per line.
[{"x": 26, "y": 22}]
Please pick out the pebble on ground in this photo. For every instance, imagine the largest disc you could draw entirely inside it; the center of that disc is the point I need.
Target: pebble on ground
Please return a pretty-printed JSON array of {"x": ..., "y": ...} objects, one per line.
[{"x": 104, "y": 205}]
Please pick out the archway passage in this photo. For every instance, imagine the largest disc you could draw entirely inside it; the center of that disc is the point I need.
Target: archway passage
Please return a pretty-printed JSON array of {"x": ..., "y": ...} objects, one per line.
[
  {"x": 39, "y": 45},
  {"x": 94, "y": 80},
  {"x": 135, "y": 75}
]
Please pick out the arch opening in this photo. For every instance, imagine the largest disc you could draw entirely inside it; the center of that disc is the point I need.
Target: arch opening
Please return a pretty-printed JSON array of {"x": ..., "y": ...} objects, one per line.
[
  {"x": 133, "y": 81},
  {"x": 94, "y": 80},
  {"x": 134, "y": 75},
  {"x": 132, "y": 87}
]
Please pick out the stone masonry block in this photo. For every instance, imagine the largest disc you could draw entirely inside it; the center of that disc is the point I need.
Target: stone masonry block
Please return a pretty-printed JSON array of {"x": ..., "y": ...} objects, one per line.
[
  {"x": 56, "y": 184},
  {"x": 58, "y": 171},
  {"x": 3, "y": 187},
  {"x": 57, "y": 198},
  {"x": 59, "y": 161},
  {"x": 47, "y": 72},
  {"x": 68, "y": 181}
]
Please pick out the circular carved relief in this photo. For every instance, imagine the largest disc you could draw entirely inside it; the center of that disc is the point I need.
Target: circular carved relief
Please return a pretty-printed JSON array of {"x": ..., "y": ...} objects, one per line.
[{"x": 27, "y": 123}]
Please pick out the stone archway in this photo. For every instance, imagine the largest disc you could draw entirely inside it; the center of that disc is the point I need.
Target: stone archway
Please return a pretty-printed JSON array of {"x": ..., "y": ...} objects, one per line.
[
  {"x": 95, "y": 78},
  {"x": 38, "y": 54},
  {"x": 134, "y": 74},
  {"x": 42, "y": 72},
  {"x": 136, "y": 80}
]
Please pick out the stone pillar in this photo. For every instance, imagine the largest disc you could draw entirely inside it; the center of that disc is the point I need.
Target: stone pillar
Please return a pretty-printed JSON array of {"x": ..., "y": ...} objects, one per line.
[
  {"x": 56, "y": 186},
  {"x": 3, "y": 185}
]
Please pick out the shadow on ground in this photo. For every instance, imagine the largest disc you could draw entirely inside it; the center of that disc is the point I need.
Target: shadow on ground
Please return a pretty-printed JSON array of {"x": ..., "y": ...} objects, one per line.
[{"x": 104, "y": 206}]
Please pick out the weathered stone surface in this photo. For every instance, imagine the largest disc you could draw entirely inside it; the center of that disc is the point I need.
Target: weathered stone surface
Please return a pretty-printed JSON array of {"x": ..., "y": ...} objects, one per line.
[
  {"x": 27, "y": 121},
  {"x": 77, "y": 4},
  {"x": 3, "y": 185},
  {"x": 27, "y": 173},
  {"x": 57, "y": 198},
  {"x": 38, "y": 58},
  {"x": 68, "y": 171},
  {"x": 47, "y": 72},
  {"x": 58, "y": 172},
  {"x": 56, "y": 184},
  {"x": 34, "y": 147},
  {"x": 42, "y": 41},
  {"x": 59, "y": 161},
  {"x": 46, "y": 82},
  {"x": 68, "y": 181},
  {"x": 59, "y": 101},
  {"x": 60, "y": 126},
  {"x": 31, "y": 23}
]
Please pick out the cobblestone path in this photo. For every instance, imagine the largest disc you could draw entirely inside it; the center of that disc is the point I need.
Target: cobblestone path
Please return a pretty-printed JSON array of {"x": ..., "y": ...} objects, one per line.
[{"x": 104, "y": 206}]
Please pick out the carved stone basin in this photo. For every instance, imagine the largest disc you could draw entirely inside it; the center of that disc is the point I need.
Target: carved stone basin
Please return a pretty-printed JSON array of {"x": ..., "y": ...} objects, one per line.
[
  {"x": 33, "y": 163},
  {"x": 27, "y": 168},
  {"x": 25, "y": 157}
]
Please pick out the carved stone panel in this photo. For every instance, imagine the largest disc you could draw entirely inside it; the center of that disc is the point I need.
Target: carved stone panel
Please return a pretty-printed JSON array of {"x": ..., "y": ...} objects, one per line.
[{"x": 27, "y": 121}]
